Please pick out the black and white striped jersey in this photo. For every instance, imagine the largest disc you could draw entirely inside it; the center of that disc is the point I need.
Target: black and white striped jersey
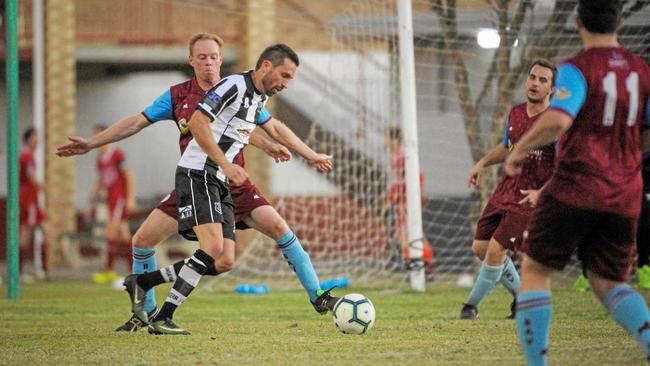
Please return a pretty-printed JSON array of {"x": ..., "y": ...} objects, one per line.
[{"x": 233, "y": 106}]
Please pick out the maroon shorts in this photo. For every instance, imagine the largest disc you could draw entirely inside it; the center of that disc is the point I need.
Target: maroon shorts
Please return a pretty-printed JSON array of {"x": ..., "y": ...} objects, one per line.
[
  {"x": 30, "y": 213},
  {"x": 116, "y": 208},
  {"x": 605, "y": 242},
  {"x": 246, "y": 199},
  {"x": 506, "y": 227}
]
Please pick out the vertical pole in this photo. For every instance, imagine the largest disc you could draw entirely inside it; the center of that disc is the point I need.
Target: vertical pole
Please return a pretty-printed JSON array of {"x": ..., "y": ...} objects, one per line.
[
  {"x": 38, "y": 106},
  {"x": 409, "y": 123},
  {"x": 12, "y": 148}
]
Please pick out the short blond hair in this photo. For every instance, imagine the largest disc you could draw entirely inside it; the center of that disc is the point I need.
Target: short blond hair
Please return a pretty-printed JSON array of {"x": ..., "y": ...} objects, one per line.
[{"x": 201, "y": 36}]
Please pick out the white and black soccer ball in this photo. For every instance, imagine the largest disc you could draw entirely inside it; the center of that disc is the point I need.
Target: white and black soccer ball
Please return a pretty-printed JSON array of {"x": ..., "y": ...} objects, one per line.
[{"x": 354, "y": 314}]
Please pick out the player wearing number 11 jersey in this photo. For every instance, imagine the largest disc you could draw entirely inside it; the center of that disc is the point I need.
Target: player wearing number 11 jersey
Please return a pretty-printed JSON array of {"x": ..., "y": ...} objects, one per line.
[{"x": 592, "y": 202}]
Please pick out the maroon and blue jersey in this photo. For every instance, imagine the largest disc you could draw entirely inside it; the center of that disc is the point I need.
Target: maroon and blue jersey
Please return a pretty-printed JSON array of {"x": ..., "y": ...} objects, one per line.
[
  {"x": 536, "y": 169},
  {"x": 178, "y": 104},
  {"x": 605, "y": 90}
]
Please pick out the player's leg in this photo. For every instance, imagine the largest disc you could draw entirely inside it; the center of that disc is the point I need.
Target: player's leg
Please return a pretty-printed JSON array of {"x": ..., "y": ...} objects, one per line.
[
  {"x": 607, "y": 260},
  {"x": 24, "y": 243},
  {"x": 268, "y": 221},
  {"x": 554, "y": 232},
  {"x": 479, "y": 248},
  {"x": 490, "y": 273},
  {"x": 111, "y": 235},
  {"x": 155, "y": 229}
]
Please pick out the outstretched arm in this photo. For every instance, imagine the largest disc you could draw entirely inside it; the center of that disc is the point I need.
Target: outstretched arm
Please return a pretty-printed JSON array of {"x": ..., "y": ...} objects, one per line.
[
  {"x": 497, "y": 155},
  {"x": 274, "y": 150},
  {"x": 120, "y": 130},
  {"x": 283, "y": 134}
]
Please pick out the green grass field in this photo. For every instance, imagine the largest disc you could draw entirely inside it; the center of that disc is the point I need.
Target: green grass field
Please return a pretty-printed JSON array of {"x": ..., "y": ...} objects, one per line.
[{"x": 72, "y": 322}]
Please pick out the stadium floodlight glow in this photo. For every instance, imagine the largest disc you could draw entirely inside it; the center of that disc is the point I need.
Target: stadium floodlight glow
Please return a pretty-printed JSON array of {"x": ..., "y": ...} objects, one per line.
[{"x": 488, "y": 38}]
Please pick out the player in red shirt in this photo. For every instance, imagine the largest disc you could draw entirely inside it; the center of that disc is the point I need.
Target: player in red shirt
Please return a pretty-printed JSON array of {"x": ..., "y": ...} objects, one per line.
[
  {"x": 593, "y": 200},
  {"x": 505, "y": 217},
  {"x": 31, "y": 214},
  {"x": 115, "y": 180},
  {"x": 396, "y": 198}
]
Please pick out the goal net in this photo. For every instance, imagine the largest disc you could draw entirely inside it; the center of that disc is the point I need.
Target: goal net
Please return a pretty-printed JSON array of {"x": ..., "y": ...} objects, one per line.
[{"x": 471, "y": 58}]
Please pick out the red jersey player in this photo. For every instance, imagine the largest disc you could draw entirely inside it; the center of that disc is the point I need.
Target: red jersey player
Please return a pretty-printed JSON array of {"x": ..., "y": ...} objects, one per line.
[
  {"x": 31, "y": 213},
  {"x": 592, "y": 202},
  {"x": 116, "y": 181},
  {"x": 505, "y": 217}
]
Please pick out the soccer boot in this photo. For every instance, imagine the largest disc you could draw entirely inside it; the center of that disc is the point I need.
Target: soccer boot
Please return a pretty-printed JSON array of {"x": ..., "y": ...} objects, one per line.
[
  {"x": 643, "y": 275},
  {"x": 137, "y": 295},
  {"x": 324, "y": 302},
  {"x": 469, "y": 312},
  {"x": 166, "y": 326},
  {"x": 581, "y": 284},
  {"x": 513, "y": 309},
  {"x": 134, "y": 324}
]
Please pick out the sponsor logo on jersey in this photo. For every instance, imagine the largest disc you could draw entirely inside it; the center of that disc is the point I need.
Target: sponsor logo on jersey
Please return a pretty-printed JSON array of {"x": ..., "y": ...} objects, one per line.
[
  {"x": 562, "y": 94},
  {"x": 183, "y": 127},
  {"x": 217, "y": 207},
  {"x": 185, "y": 106},
  {"x": 214, "y": 97},
  {"x": 185, "y": 212}
]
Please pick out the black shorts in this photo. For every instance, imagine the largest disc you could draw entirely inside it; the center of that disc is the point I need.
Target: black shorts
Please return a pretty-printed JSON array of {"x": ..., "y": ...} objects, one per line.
[{"x": 201, "y": 198}]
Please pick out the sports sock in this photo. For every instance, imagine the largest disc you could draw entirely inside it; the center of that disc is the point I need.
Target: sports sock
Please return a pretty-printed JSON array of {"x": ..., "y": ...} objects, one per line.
[
  {"x": 188, "y": 278},
  {"x": 167, "y": 274},
  {"x": 144, "y": 260},
  {"x": 300, "y": 262},
  {"x": 534, "y": 311},
  {"x": 485, "y": 282},
  {"x": 510, "y": 277},
  {"x": 630, "y": 311}
]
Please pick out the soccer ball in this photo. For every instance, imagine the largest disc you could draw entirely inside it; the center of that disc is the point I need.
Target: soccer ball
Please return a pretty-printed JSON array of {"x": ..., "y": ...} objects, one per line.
[{"x": 354, "y": 314}]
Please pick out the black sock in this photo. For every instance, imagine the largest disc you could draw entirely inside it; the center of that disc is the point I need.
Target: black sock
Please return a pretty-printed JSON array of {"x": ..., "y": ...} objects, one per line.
[{"x": 188, "y": 278}]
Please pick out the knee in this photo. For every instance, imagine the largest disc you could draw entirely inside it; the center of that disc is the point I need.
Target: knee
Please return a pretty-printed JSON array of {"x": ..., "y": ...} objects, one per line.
[
  {"x": 479, "y": 248},
  {"x": 141, "y": 241},
  {"x": 279, "y": 228},
  {"x": 225, "y": 264}
]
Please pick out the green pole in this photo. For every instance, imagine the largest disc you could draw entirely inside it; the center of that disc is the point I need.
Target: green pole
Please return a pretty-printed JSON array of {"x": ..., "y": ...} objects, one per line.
[{"x": 12, "y": 147}]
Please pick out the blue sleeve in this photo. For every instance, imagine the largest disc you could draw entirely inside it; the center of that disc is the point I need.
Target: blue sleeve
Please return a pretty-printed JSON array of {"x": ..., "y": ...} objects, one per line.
[
  {"x": 505, "y": 132},
  {"x": 571, "y": 90},
  {"x": 160, "y": 109},
  {"x": 264, "y": 117}
]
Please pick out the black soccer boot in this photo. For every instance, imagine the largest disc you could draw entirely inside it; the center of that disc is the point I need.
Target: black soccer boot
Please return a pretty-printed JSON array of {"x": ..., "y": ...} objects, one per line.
[
  {"x": 166, "y": 327},
  {"x": 137, "y": 295},
  {"x": 134, "y": 324},
  {"x": 469, "y": 312},
  {"x": 513, "y": 309},
  {"x": 324, "y": 302}
]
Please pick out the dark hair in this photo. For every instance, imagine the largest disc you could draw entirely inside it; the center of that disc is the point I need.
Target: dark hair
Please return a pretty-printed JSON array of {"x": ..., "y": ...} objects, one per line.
[
  {"x": 547, "y": 64},
  {"x": 28, "y": 133},
  {"x": 276, "y": 55},
  {"x": 394, "y": 133},
  {"x": 600, "y": 16}
]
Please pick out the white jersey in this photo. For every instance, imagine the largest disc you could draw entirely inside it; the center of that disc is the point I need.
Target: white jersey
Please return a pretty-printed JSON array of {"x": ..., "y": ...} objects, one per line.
[{"x": 233, "y": 106}]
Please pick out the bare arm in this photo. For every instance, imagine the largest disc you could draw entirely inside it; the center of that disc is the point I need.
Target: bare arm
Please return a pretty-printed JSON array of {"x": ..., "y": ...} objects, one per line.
[
  {"x": 199, "y": 126},
  {"x": 283, "y": 134},
  {"x": 550, "y": 126},
  {"x": 497, "y": 155},
  {"x": 118, "y": 131},
  {"x": 274, "y": 150}
]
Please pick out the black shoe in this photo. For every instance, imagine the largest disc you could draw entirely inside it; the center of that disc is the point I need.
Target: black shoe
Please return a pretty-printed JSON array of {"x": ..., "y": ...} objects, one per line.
[
  {"x": 166, "y": 326},
  {"x": 134, "y": 324},
  {"x": 137, "y": 295},
  {"x": 469, "y": 312},
  {"x": 513, "y": 309},
  {"x": 324, "y": 302}
]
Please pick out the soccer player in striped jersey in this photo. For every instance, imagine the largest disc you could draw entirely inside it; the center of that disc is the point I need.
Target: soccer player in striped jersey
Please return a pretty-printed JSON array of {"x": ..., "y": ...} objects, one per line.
[{"x": 593, "y": 199}]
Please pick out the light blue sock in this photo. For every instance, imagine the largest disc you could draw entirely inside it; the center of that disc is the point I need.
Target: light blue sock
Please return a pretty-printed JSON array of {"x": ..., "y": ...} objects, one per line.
[
  {"x": 144, "y": 260},
  {"x": 534, "y": 311},
  {"x": 299, "y": 261},
  {"x": 485, "y": 282},
  {"x": 510, "y": 278},
  {"x": 631, "y": 311}
]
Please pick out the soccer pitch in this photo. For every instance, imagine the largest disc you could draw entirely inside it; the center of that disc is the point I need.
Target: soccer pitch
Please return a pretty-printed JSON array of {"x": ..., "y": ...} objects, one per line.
[{"x": 72, "y": 322}]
